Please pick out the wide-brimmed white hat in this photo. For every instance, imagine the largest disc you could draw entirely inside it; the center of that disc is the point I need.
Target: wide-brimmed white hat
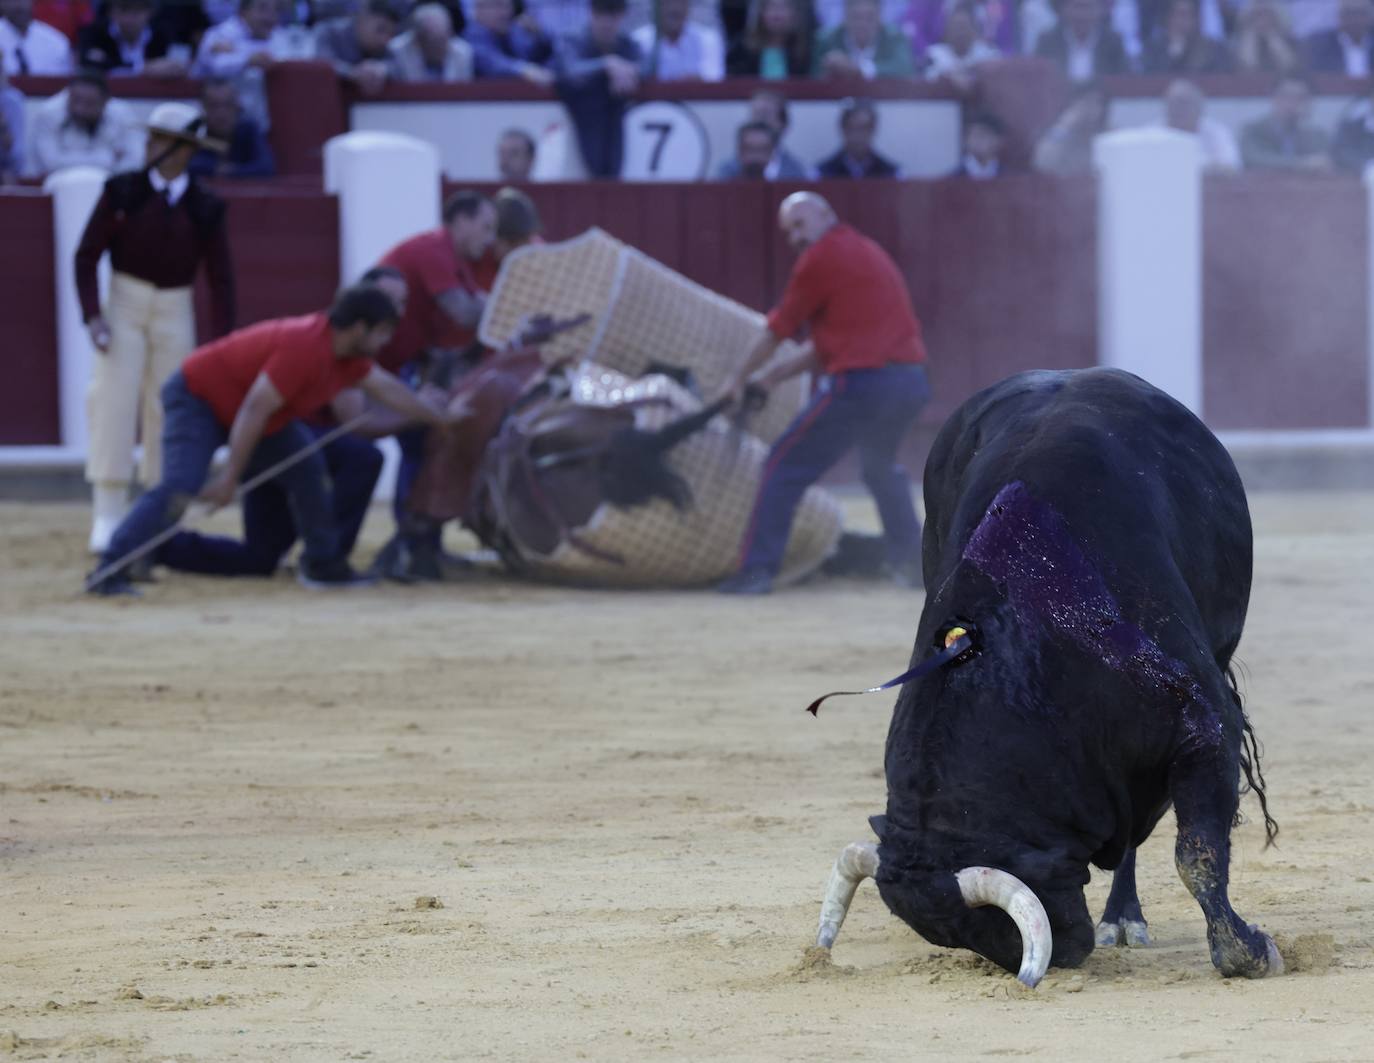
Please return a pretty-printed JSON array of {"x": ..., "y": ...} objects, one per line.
[{"x": 181, "y": 121}]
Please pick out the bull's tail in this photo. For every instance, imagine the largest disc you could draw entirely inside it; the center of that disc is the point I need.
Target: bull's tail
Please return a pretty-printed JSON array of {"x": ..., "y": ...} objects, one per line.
[{"x": 1250, "y": 752}]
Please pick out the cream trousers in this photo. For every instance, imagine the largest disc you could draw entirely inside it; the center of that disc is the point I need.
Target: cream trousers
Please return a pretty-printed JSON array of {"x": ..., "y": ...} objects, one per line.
[{"x": 152, "y": 330}]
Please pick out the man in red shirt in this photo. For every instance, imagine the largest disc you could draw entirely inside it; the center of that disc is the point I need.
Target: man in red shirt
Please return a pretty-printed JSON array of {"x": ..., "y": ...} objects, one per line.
[
  {"x": 250, "y": 390},
  {"x": 866, "y": 341}
]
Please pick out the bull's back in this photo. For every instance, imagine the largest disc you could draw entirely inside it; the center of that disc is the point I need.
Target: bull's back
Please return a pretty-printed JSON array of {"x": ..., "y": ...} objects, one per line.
[{"x": 1141, "y": 482}]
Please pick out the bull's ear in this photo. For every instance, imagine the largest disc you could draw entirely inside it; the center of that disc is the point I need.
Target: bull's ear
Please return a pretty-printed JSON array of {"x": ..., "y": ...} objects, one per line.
[{"x": 879, "y": 825}]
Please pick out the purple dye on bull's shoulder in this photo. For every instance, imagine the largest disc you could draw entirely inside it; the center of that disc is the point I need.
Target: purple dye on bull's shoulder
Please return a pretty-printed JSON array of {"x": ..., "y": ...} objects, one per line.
[{"x": 1026, "y": 545}]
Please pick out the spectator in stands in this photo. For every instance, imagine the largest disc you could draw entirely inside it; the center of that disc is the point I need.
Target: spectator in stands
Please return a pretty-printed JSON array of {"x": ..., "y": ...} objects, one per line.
[
  {"x": 677, "y": 49},
  {"x": 597, "y": 73},
  {"x": 829, "y": 14},
  {"x": 856, "y": 157},
  {"x": 515, "y": 155},
  {"x": 984, "y": 136},
  {"x": 1082, "y": 45},
  {"x": 924, "y": 23},
  {"x": 1066, "y": 148},
  {"x": 82, "y": 126},
  {"x": 1311, "y": 17},
  {"x": 11, "y": 129},
  {"x": 429, "y": 51},
  {"x": 556, "y": 19},
  {"x": 1353, "y": 147},
  {"x": 776, "y": 43},
  {"x": 250, "y": 39},
  {"x": 126, "y": 43},
  {"x": 505, "y": 48},
  {"x": 31, "y": 47},
  {"x": 247, "y": 153},
  {"x": 1264, "y": 44},
  {"x": 1183, "y": 107},
  {"x": 65, "y": 16},
  {"x": 863, "y": 46},
  {"x": 1181, "y": 47},
  {"x": 183, "y": 22},
  {"x": 358, "y": 46},
  {"x": 956, "y": 58},
  {"x": 766, "y": 107},
  {"x": 756, "y": 145},
  {"x": 1349, "y": 48},
  {"x": 1286, "y": 138}
]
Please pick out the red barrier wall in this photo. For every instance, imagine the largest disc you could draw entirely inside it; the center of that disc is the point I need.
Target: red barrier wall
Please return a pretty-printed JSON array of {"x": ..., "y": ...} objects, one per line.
[
  {"x": 1003, "y": 276},
  {"x": 1284, "y": 300},
  {"x": 28, "y": 321}
]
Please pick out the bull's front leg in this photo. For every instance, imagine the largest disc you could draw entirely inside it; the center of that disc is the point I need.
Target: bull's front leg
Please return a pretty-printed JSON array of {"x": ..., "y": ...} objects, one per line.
[
  {"x": 1123, "y": 923},
  {"x": 1205, "y": 797}
]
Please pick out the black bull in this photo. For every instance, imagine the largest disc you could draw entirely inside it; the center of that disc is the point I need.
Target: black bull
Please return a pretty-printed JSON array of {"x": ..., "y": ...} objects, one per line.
[{"x": 1094, "y": 536}]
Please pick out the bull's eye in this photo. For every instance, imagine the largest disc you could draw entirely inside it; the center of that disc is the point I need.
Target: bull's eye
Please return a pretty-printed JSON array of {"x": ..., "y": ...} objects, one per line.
[{"x": 959, "y": 629}]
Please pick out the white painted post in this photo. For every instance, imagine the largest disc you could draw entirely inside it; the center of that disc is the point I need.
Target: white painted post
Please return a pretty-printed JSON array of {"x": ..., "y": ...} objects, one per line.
[
  {"x": 388, "y": 189},
  {"x": 1149, "y": 258},
  {"x": 1369, "y": 300},
  {"x": 74, "y": 194}
]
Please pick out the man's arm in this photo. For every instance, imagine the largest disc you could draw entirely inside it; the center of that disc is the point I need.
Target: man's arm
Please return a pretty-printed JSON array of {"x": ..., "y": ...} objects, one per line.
[
  {"x": 802, "y": 360},
  {"x": 261, "y": 402},
  {"x": 464, "y": 307},
  {"x": 390, "y": 392},
  {"x": 95, "y": 240}
]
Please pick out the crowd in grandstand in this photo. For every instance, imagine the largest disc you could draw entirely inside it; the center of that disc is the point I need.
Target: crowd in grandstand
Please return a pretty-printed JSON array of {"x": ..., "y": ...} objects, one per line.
[{"x": 595, "y": 54}]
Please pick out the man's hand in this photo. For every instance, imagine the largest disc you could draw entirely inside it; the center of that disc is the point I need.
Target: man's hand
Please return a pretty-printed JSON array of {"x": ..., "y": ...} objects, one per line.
[
  {"x": 458, "y": 411},
  {"x": 100, "y": 333},
  {"x": 837, "y": 64},
  {"x": 370, "y": 76},
  {"x": 220, "y": 491},
  {"x": 164, "y": 68},
  {"x": 537, "y": 75},
  {"x": 623, "y": 75}
]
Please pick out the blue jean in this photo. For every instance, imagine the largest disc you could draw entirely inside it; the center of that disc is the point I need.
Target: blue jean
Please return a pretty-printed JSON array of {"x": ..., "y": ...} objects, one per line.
[
  {"x": 868, "y": 408},
  {"x": 269, "y": 530},
  {"x": 190, "y": 436}
]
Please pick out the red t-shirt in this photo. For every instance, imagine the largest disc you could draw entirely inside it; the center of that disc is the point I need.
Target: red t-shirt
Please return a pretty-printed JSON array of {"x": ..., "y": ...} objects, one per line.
[
  {"x": 296, "y": 353},
  {"x": 854, "y": 297},
  {"x": 431, "y": 267}
]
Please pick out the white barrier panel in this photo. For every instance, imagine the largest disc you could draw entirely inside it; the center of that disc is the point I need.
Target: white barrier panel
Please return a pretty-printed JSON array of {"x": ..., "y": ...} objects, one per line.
[
  {"x": 1369, "y": 301},
  {"x": 74, "y": 194},
  {"x": 388, "y": 189},
  {"x": 1149, "y": 258}
]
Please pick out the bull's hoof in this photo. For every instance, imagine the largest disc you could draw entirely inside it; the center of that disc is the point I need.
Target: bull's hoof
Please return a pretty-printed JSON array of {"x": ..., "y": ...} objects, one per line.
[
  {"x": 1131, "y": 933},
  {"x": 1249, "y": 959}
]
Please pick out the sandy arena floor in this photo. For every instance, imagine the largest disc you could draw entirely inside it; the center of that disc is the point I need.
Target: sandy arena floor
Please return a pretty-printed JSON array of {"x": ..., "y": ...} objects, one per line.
[{"x": 224, "y": 811}]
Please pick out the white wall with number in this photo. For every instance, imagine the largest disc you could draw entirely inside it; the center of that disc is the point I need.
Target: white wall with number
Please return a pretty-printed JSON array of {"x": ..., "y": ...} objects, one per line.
[{"x": 921, "y": 136}]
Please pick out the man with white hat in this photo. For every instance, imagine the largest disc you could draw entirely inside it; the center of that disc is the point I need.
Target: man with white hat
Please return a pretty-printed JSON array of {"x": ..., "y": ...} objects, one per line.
[{"x": 159, "y": 225}]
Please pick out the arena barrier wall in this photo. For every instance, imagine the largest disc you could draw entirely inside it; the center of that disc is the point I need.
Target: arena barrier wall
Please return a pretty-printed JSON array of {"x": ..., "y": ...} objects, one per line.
[{"x": 1003, "y": 275}]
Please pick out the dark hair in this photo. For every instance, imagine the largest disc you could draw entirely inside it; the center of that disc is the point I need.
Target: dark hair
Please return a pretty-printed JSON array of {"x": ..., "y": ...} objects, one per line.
[
  {"x": 94, "y": 78},
  {"x": 774, "y": 94},
  {"x": 522, "y": 135},
  {"x": 757, "y": 127},
  {"x": 608, "y": 7},
  {"x": 517, "y": 218},
  {"x": 218, "y": 83},
  {"x": 466, "y": 202},
  {"x": 850, "y": 108},
  {"x": 377, "y": 273},
  {"x": 126, "y": 5},
  {"x": 244, "y": 5},
  {"x": 800, "y": 45},
  {"x": 362, "y": 302},
  {"x": 381, "y": 9}
]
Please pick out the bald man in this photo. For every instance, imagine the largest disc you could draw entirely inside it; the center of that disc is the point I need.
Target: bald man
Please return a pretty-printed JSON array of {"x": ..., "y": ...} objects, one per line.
[{"x": 866, "y": 343}]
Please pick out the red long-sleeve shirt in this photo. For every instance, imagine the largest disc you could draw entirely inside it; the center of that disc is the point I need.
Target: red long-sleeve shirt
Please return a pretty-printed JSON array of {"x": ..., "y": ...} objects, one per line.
[
  {"x": 854, "y": 298},
  {"x": 160, "y": 244}
]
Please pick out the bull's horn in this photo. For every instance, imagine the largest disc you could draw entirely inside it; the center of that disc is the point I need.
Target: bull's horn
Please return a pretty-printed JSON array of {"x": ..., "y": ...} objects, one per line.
[
  {"x": 855, "y": 863},
  {"x": 987, "y": 885}
]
